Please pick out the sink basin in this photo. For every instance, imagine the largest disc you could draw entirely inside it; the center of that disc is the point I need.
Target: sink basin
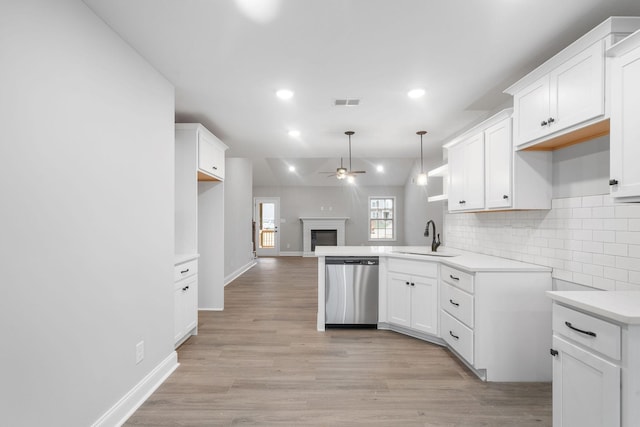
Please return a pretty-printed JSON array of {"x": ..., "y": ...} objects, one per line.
[{"x": 426, "y": 253}]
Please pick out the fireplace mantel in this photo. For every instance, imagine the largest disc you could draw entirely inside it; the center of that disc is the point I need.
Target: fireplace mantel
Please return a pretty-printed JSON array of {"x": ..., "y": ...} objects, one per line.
[{"x": 321, "y": 223}]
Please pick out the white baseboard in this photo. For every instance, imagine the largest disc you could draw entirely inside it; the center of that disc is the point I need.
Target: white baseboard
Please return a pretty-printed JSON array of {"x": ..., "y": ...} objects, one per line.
[
  {"x": 291, "y": 253},
  {"x": 119, "y": 413},
  {"x": 239, "y": 272},
  {"x": 210, "y": 309}
]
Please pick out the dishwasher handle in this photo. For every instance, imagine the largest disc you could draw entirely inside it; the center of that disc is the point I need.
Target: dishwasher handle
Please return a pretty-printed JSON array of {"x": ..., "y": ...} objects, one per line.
[{"x": 352, "y": 260}]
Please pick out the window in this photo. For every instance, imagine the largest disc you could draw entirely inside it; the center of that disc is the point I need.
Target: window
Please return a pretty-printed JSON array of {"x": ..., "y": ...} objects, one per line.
[{"x": 382, "y": 213}]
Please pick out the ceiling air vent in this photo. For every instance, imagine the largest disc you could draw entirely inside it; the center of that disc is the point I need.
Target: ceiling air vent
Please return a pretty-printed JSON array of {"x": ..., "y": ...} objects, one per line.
[{"x": 347, "y": 102}]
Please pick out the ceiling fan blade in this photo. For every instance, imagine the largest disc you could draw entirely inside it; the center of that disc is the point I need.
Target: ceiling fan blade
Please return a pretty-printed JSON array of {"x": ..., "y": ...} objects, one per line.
[{"x": 357, "y": 171}]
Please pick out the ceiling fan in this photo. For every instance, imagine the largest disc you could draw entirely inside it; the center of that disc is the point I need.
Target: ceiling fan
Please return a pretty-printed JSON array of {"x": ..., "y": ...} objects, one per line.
[{"x": 342, "y": 172}]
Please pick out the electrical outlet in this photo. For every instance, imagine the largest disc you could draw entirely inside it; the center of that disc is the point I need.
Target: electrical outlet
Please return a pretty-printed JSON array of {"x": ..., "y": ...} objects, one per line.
[{"x": 139, "y": 352}]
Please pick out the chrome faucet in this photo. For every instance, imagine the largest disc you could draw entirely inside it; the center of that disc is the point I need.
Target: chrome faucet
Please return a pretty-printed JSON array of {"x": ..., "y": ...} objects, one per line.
[{"x": 434, "y": 243}]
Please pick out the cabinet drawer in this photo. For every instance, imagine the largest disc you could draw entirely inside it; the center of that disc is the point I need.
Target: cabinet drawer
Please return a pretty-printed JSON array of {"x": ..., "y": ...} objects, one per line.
[
  {"x": 589, "y": 331},
  {"x": 457, "y": 278},
  {"x": 457, "y": 335},
  {"x": 185, "y": 269},
  {"x": 418, "y": 268},
  {"x": 457, "y": 303}
]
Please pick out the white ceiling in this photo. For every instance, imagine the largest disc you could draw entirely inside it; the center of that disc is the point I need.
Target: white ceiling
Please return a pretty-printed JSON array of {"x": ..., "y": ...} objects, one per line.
[{"x": 227, "y": 58}]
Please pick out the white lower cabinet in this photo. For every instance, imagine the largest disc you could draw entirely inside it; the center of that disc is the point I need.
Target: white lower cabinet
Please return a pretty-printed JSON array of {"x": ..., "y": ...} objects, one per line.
[
  {"x": 413, "y": 298},
  {"x": 586, "y": 370},
  {"x": 498, "y": 322},
  {"x": 586, "y": 388},
  {"x": 185, "y": 302}
]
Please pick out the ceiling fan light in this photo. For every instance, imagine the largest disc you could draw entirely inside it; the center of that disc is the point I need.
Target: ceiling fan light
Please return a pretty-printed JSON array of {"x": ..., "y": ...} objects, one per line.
[
  {"x": 293, "y": 133},
  {"x": 422, "y": 179},
  {"x": 351, "y": 179}
]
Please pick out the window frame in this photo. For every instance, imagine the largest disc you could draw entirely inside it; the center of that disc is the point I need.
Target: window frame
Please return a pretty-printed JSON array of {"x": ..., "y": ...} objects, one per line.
[{"x": 393, "y": 219}]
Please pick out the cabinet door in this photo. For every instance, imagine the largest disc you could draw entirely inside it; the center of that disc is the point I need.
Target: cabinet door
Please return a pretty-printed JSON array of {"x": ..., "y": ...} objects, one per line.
[
  {"x": 424, "y": 304},
  {"x": 210, "y": 156},
  {"x": 577, "y": 89},
  {"x": 399, "y": 299},
  {"x": 466, "y": 174},
  {"x": 190, "y": 305},
  {"x": 625, "y": 125},
  {"x": 456, "y": 178},
  {"x": 499, "y": 159},
  {"x": 178, "y": 315},
  {"x": 474, "y": 172},
  {"x": 586, "y": 388},
  {"x": 531, "y": 112}
]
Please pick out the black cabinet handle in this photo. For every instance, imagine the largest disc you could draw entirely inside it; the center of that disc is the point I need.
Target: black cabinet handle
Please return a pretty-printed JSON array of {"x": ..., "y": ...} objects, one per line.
[
  {"x": 570, "y": 326},
  {"x": 185, "y": 288},
  {"x": 613, "y": 182},
  {"x": 505, "y": 197},
  {"x": 454, "y": 336},
  {"x": 544, "y": 123},
  {"x": 551, "y": 120},
  {"x": 184, "y": 271},
  {"x": 553, "y": 352},
  {"x": 406, "y": 283},
  {"x": 462, "y": 202},
  {"x": 454, "y": 277},
  {"x": 215, "y": 168},
  {"x": 454, "y": 303},
  {"x": 413, "y": 284}
]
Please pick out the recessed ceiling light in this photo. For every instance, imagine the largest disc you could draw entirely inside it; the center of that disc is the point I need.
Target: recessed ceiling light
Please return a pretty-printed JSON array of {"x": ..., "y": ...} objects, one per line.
[
  {"x": 284, "y": 94},
  {"x": 380, "y": 168},
  {"x": 415, "y": 93},
  {"x": 292, "y": 168},
  {"x": 294, "y": 133}
]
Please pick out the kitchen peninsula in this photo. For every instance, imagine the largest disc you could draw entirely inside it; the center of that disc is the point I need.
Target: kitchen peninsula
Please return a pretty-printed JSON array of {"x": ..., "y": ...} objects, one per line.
[{"x": 491, "y": 312}]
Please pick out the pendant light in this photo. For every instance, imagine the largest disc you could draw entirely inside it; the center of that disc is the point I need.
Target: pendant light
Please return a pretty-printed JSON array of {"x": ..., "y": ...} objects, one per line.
[{"x": 422, "y": 177}]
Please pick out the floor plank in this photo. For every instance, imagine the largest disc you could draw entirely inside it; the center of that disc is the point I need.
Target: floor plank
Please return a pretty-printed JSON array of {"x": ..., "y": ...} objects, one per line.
[{"x": 261, "y": 362}]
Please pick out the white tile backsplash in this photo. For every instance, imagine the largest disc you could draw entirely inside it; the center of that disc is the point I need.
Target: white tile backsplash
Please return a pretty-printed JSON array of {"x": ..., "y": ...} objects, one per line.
[{"x": 588, "y": 240}]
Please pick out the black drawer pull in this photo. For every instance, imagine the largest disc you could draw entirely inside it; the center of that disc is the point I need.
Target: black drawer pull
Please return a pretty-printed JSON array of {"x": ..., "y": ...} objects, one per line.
[
  {"x": 406, "y": 283},
  {"x": 613, "y": 182},
  {"x": 184, "y": 271},
  {"x": 413, "y": 284},
  {"x": 454, "y": 277},
  {"x": 544, "y": 123},
  {"x": 553, "y": 352},
  {"x": 591, "y": 334},
  {"x": 185, "y": 288},
  {"x": 215, "y": 168},
  {"x": 454, "y": 303},
  {"x": 455, "y": 336}
]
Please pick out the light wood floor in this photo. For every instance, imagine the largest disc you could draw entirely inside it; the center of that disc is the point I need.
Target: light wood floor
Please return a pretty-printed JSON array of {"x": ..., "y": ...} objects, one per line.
[{"x": 262, "y": 362}]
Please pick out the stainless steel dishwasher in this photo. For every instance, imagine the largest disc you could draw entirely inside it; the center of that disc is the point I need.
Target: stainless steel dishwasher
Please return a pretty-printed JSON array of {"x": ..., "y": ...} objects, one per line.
[{"x": 351, "y": 292}]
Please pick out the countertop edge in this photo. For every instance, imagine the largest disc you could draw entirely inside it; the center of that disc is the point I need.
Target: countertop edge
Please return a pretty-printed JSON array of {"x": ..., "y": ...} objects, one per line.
[{"x": 570, "y": 298}]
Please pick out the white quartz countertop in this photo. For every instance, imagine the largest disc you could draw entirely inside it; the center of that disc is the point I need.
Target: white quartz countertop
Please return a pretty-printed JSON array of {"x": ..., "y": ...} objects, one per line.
[
  {"x": 463, "y": 260},
  {"x": 620, "y": 306},
  {"x": 180, "y": 258}
]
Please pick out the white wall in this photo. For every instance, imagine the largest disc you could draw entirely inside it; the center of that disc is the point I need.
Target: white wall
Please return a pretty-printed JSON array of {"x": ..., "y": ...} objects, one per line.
[
  {"x": 343, "y": 201},
  {"x": 238, "y": 203},
  {"x": 417, "y": 210},
  {"x": 86, "y": 224}
]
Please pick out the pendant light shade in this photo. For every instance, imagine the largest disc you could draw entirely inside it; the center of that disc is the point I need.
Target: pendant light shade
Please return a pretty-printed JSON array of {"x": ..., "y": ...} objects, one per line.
[{"x": 422, "y": 177}]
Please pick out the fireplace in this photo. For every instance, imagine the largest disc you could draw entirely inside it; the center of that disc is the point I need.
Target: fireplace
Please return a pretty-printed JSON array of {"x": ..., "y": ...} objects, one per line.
[
  {"x": 323, "y": 238},
  {"x": 320, "y": 225}
]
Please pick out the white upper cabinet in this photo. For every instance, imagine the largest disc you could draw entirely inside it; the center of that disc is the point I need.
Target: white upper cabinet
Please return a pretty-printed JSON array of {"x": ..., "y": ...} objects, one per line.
[
  {"x": 564, "y": 101},
  {"x": 466, "y": 174},
  {"x": 485, "y": 173},
  {"x": 625, "y": 120},
  {"x": 204, "y": 148},
  {"x": 568, "y": 95},
  {"x": 210, "y": 156},
  {"x": 499, "y": 158}
]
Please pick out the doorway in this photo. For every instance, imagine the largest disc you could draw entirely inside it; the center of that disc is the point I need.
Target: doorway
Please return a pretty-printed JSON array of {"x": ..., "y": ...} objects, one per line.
[{"x": 267, "y": 218}]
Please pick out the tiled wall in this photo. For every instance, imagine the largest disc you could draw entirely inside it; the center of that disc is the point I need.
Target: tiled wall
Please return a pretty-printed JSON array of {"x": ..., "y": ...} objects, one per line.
[{"x": 587, "y": 240}]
